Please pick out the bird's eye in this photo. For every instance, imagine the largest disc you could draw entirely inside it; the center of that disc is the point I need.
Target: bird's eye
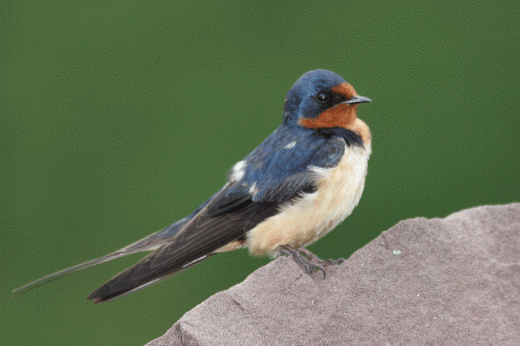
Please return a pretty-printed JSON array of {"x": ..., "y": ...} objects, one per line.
[{"x": 323, "y": 98}]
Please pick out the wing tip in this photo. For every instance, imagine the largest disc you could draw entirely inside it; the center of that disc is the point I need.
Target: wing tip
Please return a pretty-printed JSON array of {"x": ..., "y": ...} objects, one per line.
[
  {"x": 98, "y": 301},
  {"x": 101, "y": 297}
]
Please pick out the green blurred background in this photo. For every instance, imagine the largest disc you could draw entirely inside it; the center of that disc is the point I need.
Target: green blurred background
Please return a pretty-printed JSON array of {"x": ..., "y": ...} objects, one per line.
[{"x": 118, "y": 118}]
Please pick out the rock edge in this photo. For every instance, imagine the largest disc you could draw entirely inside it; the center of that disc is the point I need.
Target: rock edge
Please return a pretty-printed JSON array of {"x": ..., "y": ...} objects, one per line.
[{"x": 451, "y": 281}]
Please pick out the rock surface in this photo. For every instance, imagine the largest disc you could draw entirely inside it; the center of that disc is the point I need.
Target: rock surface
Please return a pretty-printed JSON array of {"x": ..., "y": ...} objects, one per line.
[{"x": 452, "y": 281}]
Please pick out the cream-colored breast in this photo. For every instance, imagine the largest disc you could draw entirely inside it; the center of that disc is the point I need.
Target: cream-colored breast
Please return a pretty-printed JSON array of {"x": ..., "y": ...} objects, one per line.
[{"x": 313, "y": 215}]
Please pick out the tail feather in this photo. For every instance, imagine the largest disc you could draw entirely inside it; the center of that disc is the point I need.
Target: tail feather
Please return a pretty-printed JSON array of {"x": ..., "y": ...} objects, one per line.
[
  {"x": 30, "y": 286},
  {"x": 149, "y": 243}
]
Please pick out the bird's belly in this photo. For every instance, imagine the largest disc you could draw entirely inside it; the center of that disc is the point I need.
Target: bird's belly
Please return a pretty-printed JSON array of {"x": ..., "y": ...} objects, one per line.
[{"x": 313, "y": 215}]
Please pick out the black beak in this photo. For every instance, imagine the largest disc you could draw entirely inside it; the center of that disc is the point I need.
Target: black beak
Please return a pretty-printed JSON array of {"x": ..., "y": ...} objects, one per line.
[{"x": 357, "y": 99}]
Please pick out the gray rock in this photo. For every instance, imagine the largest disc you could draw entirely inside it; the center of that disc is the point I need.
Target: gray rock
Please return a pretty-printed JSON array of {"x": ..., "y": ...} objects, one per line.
[{"x": 452, "y": 281}]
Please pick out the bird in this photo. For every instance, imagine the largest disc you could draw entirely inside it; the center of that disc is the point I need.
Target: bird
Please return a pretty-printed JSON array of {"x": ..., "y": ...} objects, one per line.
[{"x": 296, "y": 186}]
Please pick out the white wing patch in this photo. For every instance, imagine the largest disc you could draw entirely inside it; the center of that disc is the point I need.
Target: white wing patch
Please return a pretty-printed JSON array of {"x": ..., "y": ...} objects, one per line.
[
  {"x": 290, "y": 145},
  {"x": 253, "y": 190},
  {"x": 238, "y": 171}
]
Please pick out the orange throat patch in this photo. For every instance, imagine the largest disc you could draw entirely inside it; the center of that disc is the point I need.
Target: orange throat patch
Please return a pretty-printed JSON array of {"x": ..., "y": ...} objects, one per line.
[{"x": 342, "y": 115}]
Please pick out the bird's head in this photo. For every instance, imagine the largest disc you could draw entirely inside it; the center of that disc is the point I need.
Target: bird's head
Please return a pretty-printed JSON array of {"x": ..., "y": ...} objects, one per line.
[{"x": 321, "y": 99}]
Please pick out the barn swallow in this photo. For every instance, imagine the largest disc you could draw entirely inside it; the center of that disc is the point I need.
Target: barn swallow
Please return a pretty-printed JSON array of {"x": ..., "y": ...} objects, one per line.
[{"x": 297, "y": 185}]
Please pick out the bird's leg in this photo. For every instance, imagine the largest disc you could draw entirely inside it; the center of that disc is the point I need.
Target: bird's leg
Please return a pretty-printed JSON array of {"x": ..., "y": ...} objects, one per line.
[
  {"x": 302, "y": 260},
  {"x": 310, "y": 255},
  {"x": 324, "y": 263}
]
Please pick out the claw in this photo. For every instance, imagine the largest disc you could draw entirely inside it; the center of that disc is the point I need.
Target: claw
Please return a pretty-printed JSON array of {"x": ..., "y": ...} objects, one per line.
[{"x": 306, "y": 259}]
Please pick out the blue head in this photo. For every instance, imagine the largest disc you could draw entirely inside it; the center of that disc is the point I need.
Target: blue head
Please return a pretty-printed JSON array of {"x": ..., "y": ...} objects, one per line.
[{"x": 321, "y": 99}]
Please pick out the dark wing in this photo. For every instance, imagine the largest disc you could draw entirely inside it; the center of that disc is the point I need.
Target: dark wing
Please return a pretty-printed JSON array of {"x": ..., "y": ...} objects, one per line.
[
  {"x": 198, "y": 240},
  {"x": 272, "y": 175}
]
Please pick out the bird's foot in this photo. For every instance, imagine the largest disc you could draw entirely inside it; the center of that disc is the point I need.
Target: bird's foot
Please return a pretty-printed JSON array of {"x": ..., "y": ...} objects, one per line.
[
  {"x": 309, "y": 261},
  {"x": 325, "y": 263}
]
